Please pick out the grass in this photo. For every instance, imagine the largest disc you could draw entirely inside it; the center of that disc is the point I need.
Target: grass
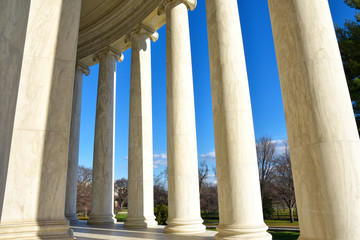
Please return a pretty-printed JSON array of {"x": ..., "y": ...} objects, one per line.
[
  {"x": 285, "y": 235},
  {"x": 212, "y": 219},
  {"x": 281, "y": 223},
  {"x": 121, "y": 217},
  {"x": 279, "y": 235}
]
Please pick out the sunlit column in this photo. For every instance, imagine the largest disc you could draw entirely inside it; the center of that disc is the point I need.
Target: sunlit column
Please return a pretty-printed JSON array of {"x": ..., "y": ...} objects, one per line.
[
  {"x": 33, "y": 203},
  {"x": 240, "y": 208},
  {"x": 140, "y": 184},
  {"x": 183, "y": 185},
  {"x": 73, "y": 155},
  {"x": 102, "y": 200},
  {"x": 323, "y": 137}
]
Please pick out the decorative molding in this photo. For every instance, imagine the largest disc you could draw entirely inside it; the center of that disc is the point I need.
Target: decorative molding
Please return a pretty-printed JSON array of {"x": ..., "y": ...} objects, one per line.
[
  {"x": 142, "y": 29},
  {"x": 110, "y": 52},
  {"x": 85, "y": 69},
  {"x": 190, "y": 4},
  {"x": 104, "y": 30}
]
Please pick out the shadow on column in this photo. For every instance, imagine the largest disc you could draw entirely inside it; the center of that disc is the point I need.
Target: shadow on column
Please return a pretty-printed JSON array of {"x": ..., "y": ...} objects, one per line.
[
  {"x": 52, "y": 185},
  {"x": 15, "y": 13}
]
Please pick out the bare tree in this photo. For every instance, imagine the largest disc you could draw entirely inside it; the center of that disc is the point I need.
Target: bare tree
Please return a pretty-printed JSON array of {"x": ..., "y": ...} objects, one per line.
[
  {"x": 214, "y": 170},
  {"x": 284, "y": 180},
  {"x": 160, "y": 191},
  {"x": 203, "y": 173},
  {"x": 121, "y": 190},
  {"x": 265, "y": 150},
  {"x": 84, "y": 187},
  {"x": 209, "y": 198}
]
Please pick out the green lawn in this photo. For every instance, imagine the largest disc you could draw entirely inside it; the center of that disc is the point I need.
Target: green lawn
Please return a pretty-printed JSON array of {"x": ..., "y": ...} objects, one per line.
[
  {"x": 281, "y": 223},
  {"x": 284, "y": 235},
  {"x": 279, "y": 235},
  {"x": 121, "y": 217},
  {"x": 212, "y": 219}
]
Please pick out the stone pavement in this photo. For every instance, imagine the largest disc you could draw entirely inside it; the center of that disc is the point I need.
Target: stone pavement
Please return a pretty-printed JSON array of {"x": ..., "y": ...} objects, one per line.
[{"x": 82, "y": 231}]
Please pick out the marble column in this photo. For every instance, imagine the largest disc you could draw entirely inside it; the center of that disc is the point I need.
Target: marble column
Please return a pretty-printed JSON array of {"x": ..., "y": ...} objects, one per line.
[
  {"x": 102, "y": 199},
  {"x": 323, "y": 137},
  {"x": 240, "y": 209},
  {"x": 140, "y": 183},
  {"x": 14, "y": 18},
  {"x": 183, "y": 183},
  {"x": 34, "y": 200},
  {"x": 73, "y": 155}
]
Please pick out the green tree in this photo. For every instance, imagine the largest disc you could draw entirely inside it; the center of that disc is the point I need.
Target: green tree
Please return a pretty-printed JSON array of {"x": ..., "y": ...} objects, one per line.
[
  {"x": 161, "y": 214},
  {"x": 349, "y": 43}
]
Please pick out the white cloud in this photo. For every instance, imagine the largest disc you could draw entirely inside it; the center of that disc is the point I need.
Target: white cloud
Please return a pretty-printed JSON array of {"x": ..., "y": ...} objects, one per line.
[
  {"x": 160, "y": 160},
  {"x": 208, "y": 156},
  {"x": 160, "y": 163},
  {"x": 279, "y": 141},
  {"x": 160, "y": 156},
  {"x": 279, "y": 146}
]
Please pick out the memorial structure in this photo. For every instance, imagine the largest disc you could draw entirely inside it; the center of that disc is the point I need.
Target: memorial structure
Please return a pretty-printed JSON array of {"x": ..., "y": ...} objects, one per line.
[{"x": 46, "y": 47}]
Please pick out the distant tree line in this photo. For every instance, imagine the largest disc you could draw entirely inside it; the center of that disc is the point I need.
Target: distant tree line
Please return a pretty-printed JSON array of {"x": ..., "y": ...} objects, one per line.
[
  {"x": 84, "y": 186},
  {"x": 275, "y": 176}
]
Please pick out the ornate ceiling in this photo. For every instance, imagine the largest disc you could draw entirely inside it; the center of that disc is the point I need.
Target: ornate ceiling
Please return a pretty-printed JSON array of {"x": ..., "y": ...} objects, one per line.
[{"x": 106, "y": 22}]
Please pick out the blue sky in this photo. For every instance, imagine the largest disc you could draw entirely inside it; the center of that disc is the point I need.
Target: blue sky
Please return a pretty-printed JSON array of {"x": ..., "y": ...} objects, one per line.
[{"x": 268, "y": 113}]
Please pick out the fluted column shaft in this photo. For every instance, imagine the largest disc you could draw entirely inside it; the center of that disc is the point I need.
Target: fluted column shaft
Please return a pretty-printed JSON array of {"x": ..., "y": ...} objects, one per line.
[
  {"x": 140, "y": 179},
  {"x": 102, "y": 200},
  {"x": 240, "y": 208},
  {"x": 33, "y": 203},
  {"x": 323, "y": 138},
  {"x": 14, "y": 15},
  {"x": 183, "y": 186},
  {"x": 73, "y": 154}
]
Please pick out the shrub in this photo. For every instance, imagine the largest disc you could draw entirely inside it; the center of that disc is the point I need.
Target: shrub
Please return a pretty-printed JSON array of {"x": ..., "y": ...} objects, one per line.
[
  {"x": 268, "y": 209},
  {"x": 121, "y": 217},
  {"x": 161, "y": 214}
]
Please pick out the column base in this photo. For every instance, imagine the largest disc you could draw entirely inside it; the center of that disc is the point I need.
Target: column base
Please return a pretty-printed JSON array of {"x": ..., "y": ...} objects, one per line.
[
  {"x": 140, "y": 222},
  {"x": 185, "y": 226},
  {"x": 72, "y": 217},
  {"x": 231, "y": 232},
  {"x": 36, "y": 230},
  {"x": 101, "y": 219}
]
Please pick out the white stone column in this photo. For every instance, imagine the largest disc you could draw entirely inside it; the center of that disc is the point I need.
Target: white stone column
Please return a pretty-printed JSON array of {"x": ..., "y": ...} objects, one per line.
[
  {"x": 323, "y": 138},
  {"x": 183, "y": 183},
  {"x": 73, "y": 155},
  {"x": 14, "y": 18},
  {"x": 240, "y": 208},
  {"x": 34, "y": 200},
  {"x": 140, "y": 183},
  {"x": 102, "y": 200}
]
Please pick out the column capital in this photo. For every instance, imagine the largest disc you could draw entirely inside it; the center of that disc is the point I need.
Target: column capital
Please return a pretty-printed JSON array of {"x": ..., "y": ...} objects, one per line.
[
  {"x": 85, "y": 69},
  {"x": 142, "y": 29},
  {"x": 190, "y": 4},
  {"x": 110, "y": 52}
]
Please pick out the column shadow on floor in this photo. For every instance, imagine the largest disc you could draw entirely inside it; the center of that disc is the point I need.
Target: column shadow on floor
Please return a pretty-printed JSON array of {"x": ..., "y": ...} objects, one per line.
[{"x": 82, "y": 231}]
